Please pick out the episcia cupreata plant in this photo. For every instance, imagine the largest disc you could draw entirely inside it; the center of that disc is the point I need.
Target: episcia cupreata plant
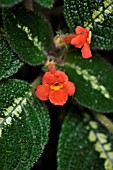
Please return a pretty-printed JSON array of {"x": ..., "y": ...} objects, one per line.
[{"x": 56, "y": 84}]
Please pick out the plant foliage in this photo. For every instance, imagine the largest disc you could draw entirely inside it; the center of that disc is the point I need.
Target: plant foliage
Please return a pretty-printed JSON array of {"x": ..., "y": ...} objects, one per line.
[
  {"x": 102, "y": 140},
  {"x": 7, "y": 3},
  {"x": 95, "y": 87},
  {"x": 24, "y": 126},
  {"x": 29, "y": 34},
  {"x": 74, "y": 149},
  {"x": 95, "y": 15},
  {"x": 46, "y": 3},
  {"x": 9, "y": 62},
  {"x": 44, "y": 78}
]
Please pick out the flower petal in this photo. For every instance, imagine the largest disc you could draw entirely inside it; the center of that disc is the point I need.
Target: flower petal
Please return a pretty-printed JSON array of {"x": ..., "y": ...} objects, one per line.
[
  {"x": 80, "y": 30},
  {"x": 79, "y": 40},
  {"x": 68, "y": 38},
  {"x": 42, "y": 92},
  {"x": 61, "y": 76},
  {"x": 48, "y": 78},
  {"x": 69, "y": 87},
  {"x": 58, "y": 97},
  {"x": 86, "y": 52}
]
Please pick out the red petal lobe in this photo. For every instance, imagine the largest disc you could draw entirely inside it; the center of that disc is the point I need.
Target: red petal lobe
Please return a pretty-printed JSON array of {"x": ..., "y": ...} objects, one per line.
[
  {"x": 61, "y": 76},
  {"x": 58, "y": 97},
  {"x": 48, "y": 78},
  {"x": 69, "y": 87},
  {"x": 86, "y": 52},
  {"x": 42, "y": 92},
  {"x": 79, "y": 40},
  {"x": 79, "y": 30}
]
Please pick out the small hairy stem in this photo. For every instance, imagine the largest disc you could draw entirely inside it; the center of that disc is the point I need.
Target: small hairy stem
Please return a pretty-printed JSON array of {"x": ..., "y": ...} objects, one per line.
[
  {"x": 35, "y": 83},
  {"x": 104, "y": 120},
  {"x": 28, "y": 4},
  {"x": 56, "y": 11}
]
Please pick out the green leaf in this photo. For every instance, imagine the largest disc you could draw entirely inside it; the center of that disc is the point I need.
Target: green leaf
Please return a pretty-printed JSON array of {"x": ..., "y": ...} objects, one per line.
[
  {"x": 7, "y": 3},
  {"x": 94, "y": 88},
  {"x": 29, "y": 34},
  {"x": 102, "y": 139},
  {"x": 75, "y": 152},
  {"x": 9, "y": 63},
  {"x": 95, "y": 15},
  {"x": 46, "y": 3},
  {"x": 24, "y": 126}
]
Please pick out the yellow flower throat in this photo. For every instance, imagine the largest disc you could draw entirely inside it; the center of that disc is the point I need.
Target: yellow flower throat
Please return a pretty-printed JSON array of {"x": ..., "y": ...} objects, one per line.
[{"x": 56, "y": 86}]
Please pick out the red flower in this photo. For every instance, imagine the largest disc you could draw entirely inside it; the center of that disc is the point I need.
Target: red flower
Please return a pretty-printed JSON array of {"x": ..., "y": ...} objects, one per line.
[
  {"x": 55, "y": 86},
  {"x": 81, "y": 38}
]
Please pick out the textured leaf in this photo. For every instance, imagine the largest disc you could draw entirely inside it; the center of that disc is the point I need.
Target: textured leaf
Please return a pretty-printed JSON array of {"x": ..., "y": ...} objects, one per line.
[
  {"x": 75, "y": 152},
  {"x": 28, "y": 34},
  {"x": 103, "y": 141},
  {"x": 7, "y": 3},
  {"x": 46, "y": 3},
  {"x": 9, "y": 63},
  {"x": 94, "y": 88},
  {"x": 95, "y": 15},
  {"x": 24, "y": 126}
]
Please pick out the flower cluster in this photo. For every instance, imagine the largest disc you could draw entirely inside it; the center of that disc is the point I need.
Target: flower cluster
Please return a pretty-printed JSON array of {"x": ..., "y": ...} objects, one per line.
[
  {"x": 55, "y": 86},
  {"x": 81, "y": 38}
]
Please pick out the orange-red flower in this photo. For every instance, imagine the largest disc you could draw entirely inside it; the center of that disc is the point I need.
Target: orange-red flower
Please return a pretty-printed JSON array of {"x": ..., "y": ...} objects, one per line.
[
  {"x": 81, "y": 38},
  {"x": 55, "y": 86}
]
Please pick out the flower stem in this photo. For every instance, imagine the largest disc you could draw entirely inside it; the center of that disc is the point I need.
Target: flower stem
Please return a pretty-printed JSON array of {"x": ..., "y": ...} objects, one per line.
[
  {"x": 35, "y": 83},
  {"x": 28, "y": 4},
  {"x": 104, "y": 121}
]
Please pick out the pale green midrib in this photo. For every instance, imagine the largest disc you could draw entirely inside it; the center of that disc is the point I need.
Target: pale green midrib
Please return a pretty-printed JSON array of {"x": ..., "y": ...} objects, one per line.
[
  {"x": 102, "y": 146},
  {"x": 10, "y": 113},
  {"x": 30, "y": 37},
  {"x": 22, "y": 105},
  {"x": 73, "y": 66},
  {"x": 97, "y": 140},
  {"x": 101, "y": 13},
  {"x": 21, "y": 149},
  {"x": 104, "y": 8}
]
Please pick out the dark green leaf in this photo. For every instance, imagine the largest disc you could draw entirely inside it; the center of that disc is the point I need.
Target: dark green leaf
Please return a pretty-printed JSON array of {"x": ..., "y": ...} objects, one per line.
[
  {"x": 46, "y": 3},
  {"x": 24, "y": 126},
  {"x": 93, "y": 79},
  {"x": 9, "y": 63},
  {"x": 95, "y": 15},
  {"x": 28, "y": 34},
  {"x": 75, "y": 152},
  {"x": 7, "y": 3}
]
